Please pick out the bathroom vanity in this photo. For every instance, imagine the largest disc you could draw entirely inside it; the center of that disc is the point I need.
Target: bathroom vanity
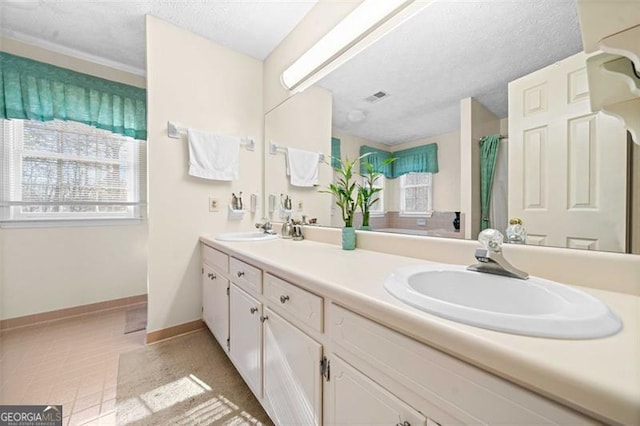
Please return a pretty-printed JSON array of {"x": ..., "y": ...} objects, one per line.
[{"x": 318, "y": 340}]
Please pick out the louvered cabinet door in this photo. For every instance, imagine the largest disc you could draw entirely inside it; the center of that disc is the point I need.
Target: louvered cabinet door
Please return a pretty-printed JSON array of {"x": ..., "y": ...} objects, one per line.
[{"x": 292, "y": 379}]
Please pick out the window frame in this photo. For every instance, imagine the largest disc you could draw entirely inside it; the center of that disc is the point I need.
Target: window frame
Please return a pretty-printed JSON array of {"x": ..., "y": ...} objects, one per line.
[
  {"x": 403, "y": 187},
  {"x": 13, "y": 154}
]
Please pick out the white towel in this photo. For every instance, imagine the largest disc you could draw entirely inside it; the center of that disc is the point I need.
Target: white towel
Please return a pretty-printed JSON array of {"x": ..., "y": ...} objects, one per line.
[
  {"x": 213, "y": 156},
  {"x": 303, "y": 167}
]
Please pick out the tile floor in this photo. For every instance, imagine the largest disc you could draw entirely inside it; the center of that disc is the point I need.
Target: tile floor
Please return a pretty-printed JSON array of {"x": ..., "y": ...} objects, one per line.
[{"x": 73, "y": 362}]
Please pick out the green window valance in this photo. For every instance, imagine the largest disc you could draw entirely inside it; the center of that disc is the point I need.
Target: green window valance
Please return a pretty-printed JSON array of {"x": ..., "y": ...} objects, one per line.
[
  {"x": 421, "y": 159},
  {"x": 376, "y": 157},
  {"x": 335, "y": 153},
  {"x": 34, "y": 90}
]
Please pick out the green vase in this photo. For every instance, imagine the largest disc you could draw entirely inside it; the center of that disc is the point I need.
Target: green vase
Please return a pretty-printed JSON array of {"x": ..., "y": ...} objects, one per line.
[
  {"x": 365, "y": 228},
  {"x": 348, "y": 238}
]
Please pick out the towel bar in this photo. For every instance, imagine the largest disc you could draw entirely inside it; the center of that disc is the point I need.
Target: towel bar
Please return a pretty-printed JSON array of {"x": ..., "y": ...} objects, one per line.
[
  {"x": 174, "y": 131},
  {"x": 274, "y": 148}
]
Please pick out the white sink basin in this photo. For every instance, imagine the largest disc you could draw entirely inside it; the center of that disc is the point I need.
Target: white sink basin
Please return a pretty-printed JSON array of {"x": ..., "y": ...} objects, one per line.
[
  {"x": 533, "y": 307},
  {"x": 245, "y": 236}
]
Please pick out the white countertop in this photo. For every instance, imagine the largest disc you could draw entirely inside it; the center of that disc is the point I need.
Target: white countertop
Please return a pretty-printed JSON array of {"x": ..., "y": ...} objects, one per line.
[{"x": 600, "y": 377}]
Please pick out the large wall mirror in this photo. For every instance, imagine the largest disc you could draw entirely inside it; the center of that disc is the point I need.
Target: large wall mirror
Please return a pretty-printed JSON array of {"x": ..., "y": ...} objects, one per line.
[{"x": 451, "y": 75}]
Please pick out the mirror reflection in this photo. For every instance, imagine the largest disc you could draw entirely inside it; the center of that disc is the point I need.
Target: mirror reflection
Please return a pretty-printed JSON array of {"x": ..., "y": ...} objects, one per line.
[{"x": 501, "y": 89}]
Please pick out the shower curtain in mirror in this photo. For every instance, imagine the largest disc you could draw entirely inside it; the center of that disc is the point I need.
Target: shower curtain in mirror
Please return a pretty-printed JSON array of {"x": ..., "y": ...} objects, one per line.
[{"x": 488, "y": 153}]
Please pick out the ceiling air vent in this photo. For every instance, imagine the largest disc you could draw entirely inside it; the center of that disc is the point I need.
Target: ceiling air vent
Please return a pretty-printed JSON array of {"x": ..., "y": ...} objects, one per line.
[{"x": 377, "y": 97}]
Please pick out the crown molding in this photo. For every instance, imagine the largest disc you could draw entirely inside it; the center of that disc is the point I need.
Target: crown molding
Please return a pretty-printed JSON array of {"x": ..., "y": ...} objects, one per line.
[{"x": 74, "y": 53}]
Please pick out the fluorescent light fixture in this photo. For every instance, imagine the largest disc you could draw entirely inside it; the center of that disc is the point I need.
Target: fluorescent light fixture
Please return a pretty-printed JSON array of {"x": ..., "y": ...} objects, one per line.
[{"x": 363, "y": 26}]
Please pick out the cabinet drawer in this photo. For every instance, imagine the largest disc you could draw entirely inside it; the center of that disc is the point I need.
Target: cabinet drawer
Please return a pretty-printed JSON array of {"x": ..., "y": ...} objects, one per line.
[
  {"x": 247, "y": 276},
  {"x": 462, "y": 390},
  {"x": 290, "y": 299},
  {"x": 215, "y": 258}
]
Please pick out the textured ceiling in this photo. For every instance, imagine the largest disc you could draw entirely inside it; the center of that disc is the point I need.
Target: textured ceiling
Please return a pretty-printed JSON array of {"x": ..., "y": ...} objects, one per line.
[
  {"x": 449, "y": 51},
  {"x": 115, "y": 30}
]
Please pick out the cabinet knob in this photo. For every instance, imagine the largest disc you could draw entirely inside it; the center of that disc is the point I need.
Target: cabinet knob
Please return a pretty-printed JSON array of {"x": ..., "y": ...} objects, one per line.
[
  {"x": 264, "y": 318},
  {"x": 253, "y": 310},
  {"x": 240, "y": 273},
  {"x": 283, "y": 299},
  {"x": 212, "y": 276}
]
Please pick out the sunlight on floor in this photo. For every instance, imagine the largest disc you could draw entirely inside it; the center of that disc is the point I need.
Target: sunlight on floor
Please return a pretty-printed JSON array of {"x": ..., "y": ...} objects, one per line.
[{"x": 215, "y": 409}]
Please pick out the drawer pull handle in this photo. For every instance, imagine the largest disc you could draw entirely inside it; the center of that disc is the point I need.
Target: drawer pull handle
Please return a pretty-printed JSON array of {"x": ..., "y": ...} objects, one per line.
[
  {"x": 405, "y": 423},
  {"x": 253, "y": 310},
  {"x": 264, "y": 318},
  {"x": 240, "y": 273},
  {"x": 283, "y": 299},
  {"x": 212, "y": 276}
]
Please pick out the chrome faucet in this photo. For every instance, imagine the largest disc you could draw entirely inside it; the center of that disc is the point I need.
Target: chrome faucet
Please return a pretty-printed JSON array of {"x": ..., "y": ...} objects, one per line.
[
  {"x": 265, "y": 226},
  {"x": 490, "y": 258}
]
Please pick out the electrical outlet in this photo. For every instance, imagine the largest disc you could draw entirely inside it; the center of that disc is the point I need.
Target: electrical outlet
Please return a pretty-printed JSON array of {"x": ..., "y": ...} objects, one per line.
[
  {"x": 300, "y": 206},
  {"x": 421, "y": 222},
  {"x": 213, "y": 204}
]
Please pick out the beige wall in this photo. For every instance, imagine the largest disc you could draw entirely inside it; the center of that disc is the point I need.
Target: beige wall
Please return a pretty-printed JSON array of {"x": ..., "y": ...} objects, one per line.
[
  {"x": 475, "y": 122},
  {"x": 45, "y": 269},
  {"x": 322, "y": 18},
  {"x": 65, "y": 61},
  {"x": 304, "y": 122},
  {"x": 206, "y": 86}
]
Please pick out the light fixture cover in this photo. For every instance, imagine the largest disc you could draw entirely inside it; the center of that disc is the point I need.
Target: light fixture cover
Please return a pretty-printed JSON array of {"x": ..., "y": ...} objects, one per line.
[{"x": 362, "y": 21}]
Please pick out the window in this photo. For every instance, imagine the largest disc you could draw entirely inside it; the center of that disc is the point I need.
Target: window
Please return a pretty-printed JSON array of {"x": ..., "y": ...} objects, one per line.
[
  {"x": 416, "y": 191},
  {"x": 377, "y": 209},
  {"x": 57, "y": 170}
]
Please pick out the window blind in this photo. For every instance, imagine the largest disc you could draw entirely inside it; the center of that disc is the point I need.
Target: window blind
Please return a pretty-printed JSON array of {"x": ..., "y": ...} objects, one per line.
[{"x": 66, "y": 170}]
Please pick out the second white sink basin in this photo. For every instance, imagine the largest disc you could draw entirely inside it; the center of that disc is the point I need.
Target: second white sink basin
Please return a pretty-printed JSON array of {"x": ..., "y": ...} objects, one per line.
[
  {"x": 245, "y": 236},
  {"x": 534, "y": 307}
]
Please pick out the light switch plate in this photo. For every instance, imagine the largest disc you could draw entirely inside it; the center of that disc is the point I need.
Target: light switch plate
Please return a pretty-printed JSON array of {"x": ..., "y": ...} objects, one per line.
[{"x": 214, "y": 204}]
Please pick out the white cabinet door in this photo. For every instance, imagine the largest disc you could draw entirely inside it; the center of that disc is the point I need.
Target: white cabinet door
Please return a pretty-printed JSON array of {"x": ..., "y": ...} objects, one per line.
[
  {"x": 215, "y": 304},
  {"x": 354, "y": 399},
  {"x": 292, "y": 380},
  {"x": 245, "y": 334}
]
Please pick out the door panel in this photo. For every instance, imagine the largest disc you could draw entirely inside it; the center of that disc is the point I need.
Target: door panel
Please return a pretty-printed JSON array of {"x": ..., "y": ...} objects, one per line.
[
  {"x": 215, "y": 304},
  {"x": 245, "y": 333},
  {"x": 567, "y": 165},
  {"x": 354, "y": 399},
  {"x": 292, "y": 380}
]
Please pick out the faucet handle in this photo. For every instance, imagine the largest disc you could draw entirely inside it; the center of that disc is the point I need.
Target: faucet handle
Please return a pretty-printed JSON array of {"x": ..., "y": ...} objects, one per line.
[{"x": 491, "y": 239}]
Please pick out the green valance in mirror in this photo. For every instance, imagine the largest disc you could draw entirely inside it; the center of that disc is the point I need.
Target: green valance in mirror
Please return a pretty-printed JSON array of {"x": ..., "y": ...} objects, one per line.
[
  {"x": 34, "y": 90},
  {"x": 376, "y": 158},
  {"x": 421, "y": 159},
  {"x": 335, "y": 153}
]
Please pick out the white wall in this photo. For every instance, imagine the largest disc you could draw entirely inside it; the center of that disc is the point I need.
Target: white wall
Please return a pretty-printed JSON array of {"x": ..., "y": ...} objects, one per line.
[
  {"x": 202, "y": 85},
  {"x": 304, "y": 122},
  {"x": 46, "y": 269}
]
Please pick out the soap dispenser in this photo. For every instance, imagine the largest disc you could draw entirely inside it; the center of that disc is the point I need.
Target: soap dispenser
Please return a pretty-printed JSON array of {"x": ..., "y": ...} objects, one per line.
[{"x": 287, "y": 228}]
